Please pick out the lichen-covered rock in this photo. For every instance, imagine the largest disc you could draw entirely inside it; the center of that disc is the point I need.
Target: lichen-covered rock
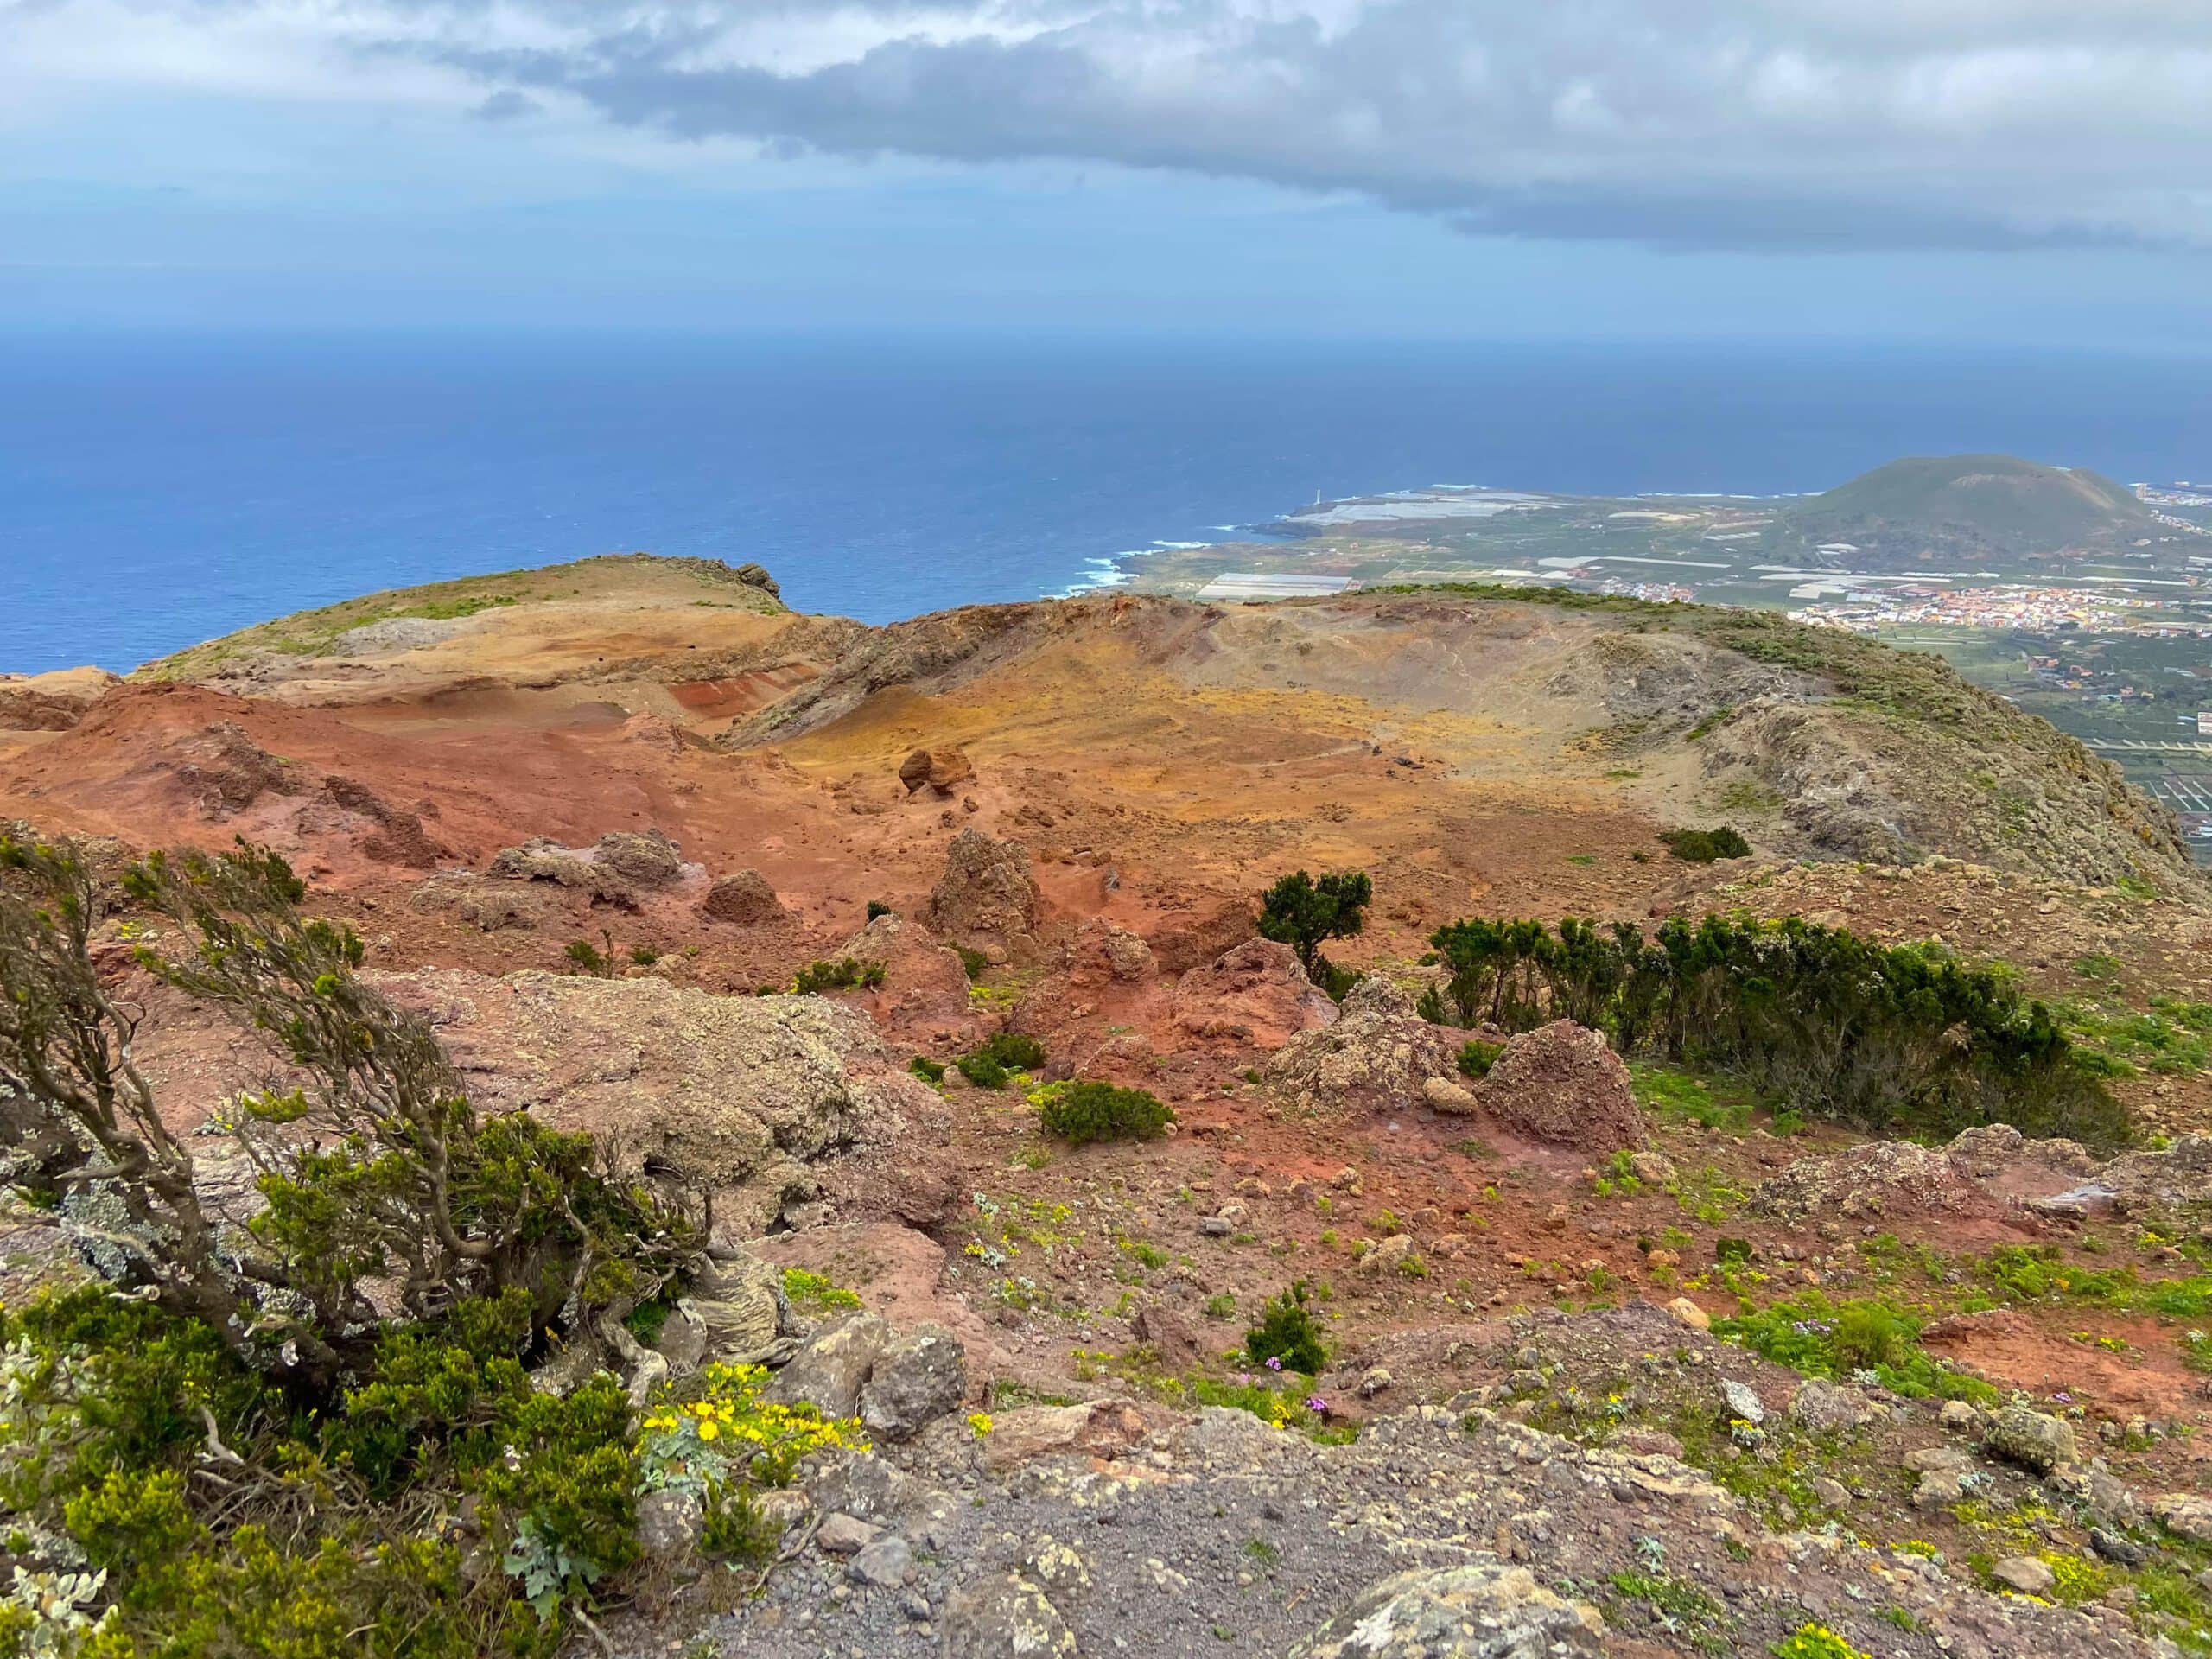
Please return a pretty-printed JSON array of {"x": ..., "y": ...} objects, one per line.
[
  {"x": 1445, "y": 1095},
  {"x": 1561, "y": 1084},
  {"x": 1482, "y": 1610},
  {"x": 744, "y": 898},
  {"x": 767, "y": 1103},
  {"x": 1006, "y": 1617},
  {"x": 668, "y": 1524},
  {"x": 647, "y": 859},
  {"x": 1883, "y": 1177},
  {"x": 1826, "y": 1407},
  {"x": 2187, "y": 1514},
  {"x": 1256, "y": 993},
  {"x": 1098, "y": 1429},
  {"x": 919, "y": 1377},
  {"x": 2034, "y": 1440},
  {"x": 986, "y": 891},
  {"x": 1376, "y": 1057},
  {"x": 828, "y": 1372}
]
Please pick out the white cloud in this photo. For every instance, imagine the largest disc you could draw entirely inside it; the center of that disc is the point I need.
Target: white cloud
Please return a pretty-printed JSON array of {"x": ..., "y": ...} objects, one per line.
[{"x": 1736, "y": 122}]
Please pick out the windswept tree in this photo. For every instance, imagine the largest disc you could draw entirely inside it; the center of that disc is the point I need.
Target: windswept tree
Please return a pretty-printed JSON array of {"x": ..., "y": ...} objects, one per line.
[
  {"x": 376, "y": 1190},
  {"x": 1306, "y": 914}
]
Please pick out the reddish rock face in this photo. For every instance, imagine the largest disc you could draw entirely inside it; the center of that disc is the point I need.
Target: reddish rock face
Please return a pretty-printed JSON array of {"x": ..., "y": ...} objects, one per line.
[
  {"x": 1561, "y": 1084},
  {"x": 1256, "y": 994}
]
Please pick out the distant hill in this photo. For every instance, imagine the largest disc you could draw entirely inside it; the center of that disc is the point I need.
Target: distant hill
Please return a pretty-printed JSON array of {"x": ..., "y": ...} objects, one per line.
[{"x": 1984, "y": 506}]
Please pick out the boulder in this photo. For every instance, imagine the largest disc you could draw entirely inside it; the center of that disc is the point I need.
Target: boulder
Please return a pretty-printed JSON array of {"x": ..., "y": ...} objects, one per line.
[
  {"x": 745, "y": 898},
  {"x": 1256, "y": 993},
  {"x": 2034, "y": 1440},
  {"x": 733, "y": 1315},
  {"x": 754, "y": 575},
  {"x": 668, "y": 1524},
  {"x": 1006, "y": 1617},
  {"x": 1562, "y": 1084},
  {"x": 828, "y": 1372},
  {"x": 1211, "y": 931},
  {"x": 540, "y": 860},
  {"x": 1690, "y": 1313},
  {"x": 1825, "y": 1408},
  {"x": 767, "y": 1104},
  {"x": 986, "y": 891},
  {"x": 881, "y": 1563},
  {"x": 1481, "y": 1611},
  {"x": 1447, "y": 1096},
  {"x": 2189, "y": 1515},
  {"x": 942, "y": 770},
  {"x": 845, "y": 1535},
  {"x": 1104, "y": 953},
  {"x": 919, "y": 1377},
  {"x": 1097, "y": 1429},
  {"x": 2025, "y": 1573},
  {"x": 1376, "y": 1057},
  {"x": 644, "y": 860}
]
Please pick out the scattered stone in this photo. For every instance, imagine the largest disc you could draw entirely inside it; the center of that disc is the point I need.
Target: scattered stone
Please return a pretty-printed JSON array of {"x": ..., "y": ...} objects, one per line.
[
  {"x": 1377, "y": 1379},
  {"x": 744, "y": 898},
  {"x": 1482, "y": 1610},
  {"x": 882, "y": 1563},
  {"x": 2117, "y": 1546},
  {"x": 1690, "y": 1313},
  {"x": 1394, "y": 1251},
  {"x": 2034, "y": 1440},
  {"x": 1216, "y": 1226},
  {"x": 1652, "y": 1168},
  {"x": 1743, "y": 1401},
  {"x": 1960, "y": 1418},
  {"x": 1833, "y": 1493},
  {"x": 844, "y": 1534},
  {"x": 828, "y": 1372},
  {"x": 1007, "y": 1617},
  {"x": 1562, "y": 1084},
  {"x": 918, "y": 1378},
  {"x": 2025, "y": 1573}
]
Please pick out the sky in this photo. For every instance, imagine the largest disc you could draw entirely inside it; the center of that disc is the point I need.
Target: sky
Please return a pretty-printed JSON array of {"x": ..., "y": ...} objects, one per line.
[{"x": 1982, "y": 171}]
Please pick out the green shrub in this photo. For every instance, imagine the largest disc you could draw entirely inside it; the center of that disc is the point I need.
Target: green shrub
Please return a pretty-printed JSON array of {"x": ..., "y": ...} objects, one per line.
[
  {"x": 844, "y": 975},
  {"x": 982, "y": 1071},
  {"x": 1817, "y": 1337},
  {"x": 1080, "y": 1113},
  {"x": 1014, "y": 1051},
  {"x": 876, "y": 907},
  {"x": 1288, "y": 1332},
  {"x": 1705, "y": 846},
  {"x": 927, "y": 1070},
  {"x": 1476, "y": 1058},
  {"x": 976, "y": 963}
]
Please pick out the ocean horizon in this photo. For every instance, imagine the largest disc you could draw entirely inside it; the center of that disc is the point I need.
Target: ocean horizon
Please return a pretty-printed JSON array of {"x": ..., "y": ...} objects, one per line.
[{"x": 159, "y": 490}]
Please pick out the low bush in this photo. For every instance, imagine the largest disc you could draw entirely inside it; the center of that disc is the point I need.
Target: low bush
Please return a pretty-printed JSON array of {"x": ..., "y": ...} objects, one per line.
[
  {"x": 927, "y": 1070},
  {"x": 1706, "y": 846},
  {"x": 1288, "y": 1332},
  {"x": 1080, "y": 1113},
  {"x": 1476, "y": 1058},
  {"x": 846, "y": 974},
  {"x": 1873, "y": 1340}
]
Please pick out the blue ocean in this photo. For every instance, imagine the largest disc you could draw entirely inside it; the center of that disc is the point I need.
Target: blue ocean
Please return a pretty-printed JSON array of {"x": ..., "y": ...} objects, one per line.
[{"x": 158, "y": 490}]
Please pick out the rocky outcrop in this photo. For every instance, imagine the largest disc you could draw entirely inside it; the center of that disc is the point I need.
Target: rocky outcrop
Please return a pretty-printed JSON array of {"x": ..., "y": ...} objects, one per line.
[
  {"x": 395, "y": 834},
  {"x": 745, "y": 900},
  {"x": 1256, "y": 993},
  {"x": 51, "y": 703},
  {"x": 987, "y": 892},
  {"x": 919, "y": 1377},
  {"x": 614, "y": 870},
  {"x": 780, "y": 1107},
  {"x": 941, "y": 770},
  {"x": 1486, "y": 1611},
  {"x": 223, "y": 771},
  {"x": 1563, "y": 1085},
  {"x": 1376, "y": 1057},
  {"x": 924, "y": 987},
  {"x": 1981, "y": 1169}
]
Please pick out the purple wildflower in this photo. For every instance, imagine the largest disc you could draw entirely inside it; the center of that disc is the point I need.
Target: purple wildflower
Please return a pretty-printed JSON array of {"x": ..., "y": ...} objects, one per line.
[
  {"x": 1274, "y": 1362},
  {"x": 1317, "y": 1405}
]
